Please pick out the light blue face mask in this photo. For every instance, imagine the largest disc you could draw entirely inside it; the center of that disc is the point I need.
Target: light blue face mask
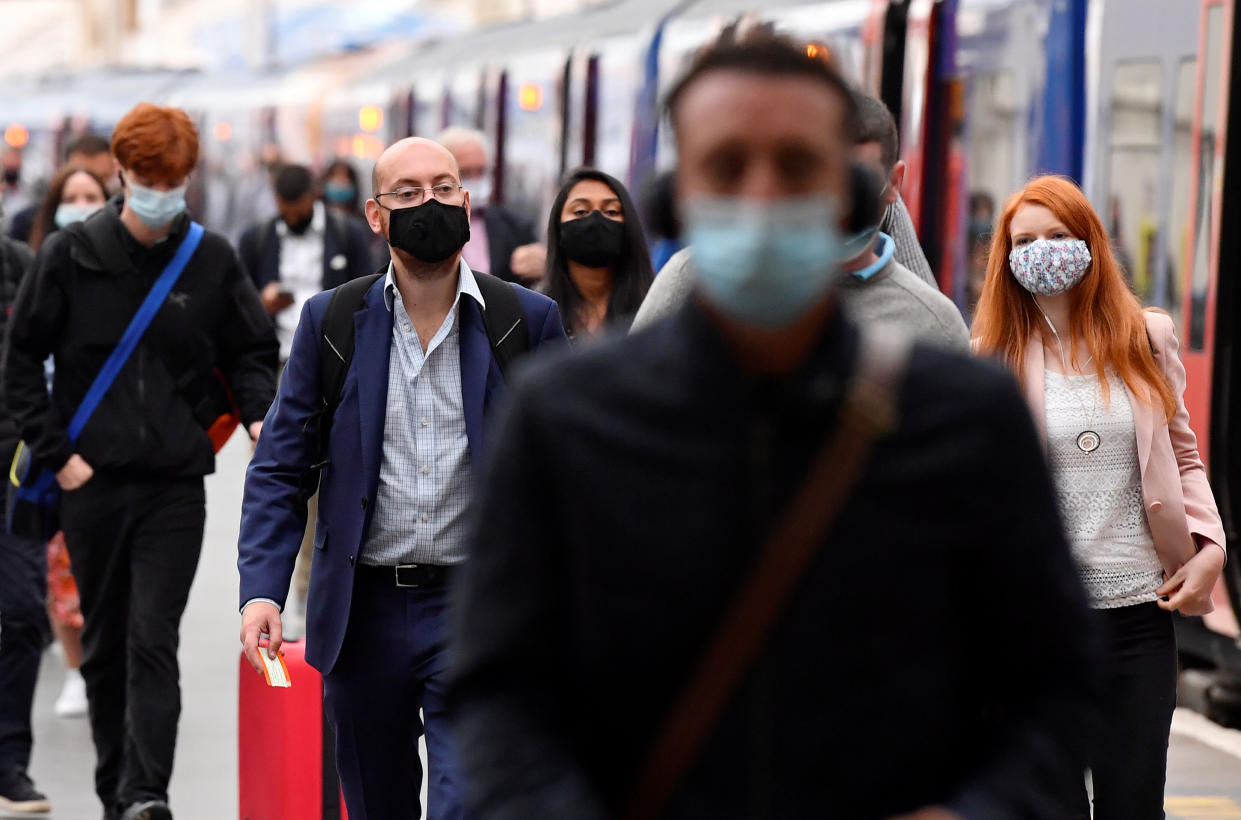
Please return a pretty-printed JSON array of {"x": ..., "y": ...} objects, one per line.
[
  {"x": 67, "y": 213},
  {"x": 764, "y": 263},
  {"x": 155, "y": 208}
]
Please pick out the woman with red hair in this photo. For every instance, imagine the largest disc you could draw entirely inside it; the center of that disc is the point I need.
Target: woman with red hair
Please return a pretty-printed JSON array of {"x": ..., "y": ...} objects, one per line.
[{"x": 1105, "y": 385}]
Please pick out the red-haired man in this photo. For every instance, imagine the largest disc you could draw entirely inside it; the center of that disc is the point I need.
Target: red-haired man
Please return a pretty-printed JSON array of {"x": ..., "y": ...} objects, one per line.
[{"x": 133, "y": 506}]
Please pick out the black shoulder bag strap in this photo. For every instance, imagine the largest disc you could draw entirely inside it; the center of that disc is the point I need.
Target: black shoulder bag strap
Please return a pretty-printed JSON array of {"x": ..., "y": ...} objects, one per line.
[{"x": 869, "y": 412}]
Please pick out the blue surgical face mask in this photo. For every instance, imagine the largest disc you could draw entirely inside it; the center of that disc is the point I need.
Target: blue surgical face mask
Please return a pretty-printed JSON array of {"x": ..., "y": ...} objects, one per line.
[
  {"x": 155, "y": 208},
  {"x": 764, "y": 263},
  {"x": 67, "y": 213},
  {"x": 339, "y": 193}
]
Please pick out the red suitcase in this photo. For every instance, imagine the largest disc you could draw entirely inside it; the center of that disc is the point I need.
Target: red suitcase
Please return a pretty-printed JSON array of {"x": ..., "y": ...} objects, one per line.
[{"x": 285, "y": 746}]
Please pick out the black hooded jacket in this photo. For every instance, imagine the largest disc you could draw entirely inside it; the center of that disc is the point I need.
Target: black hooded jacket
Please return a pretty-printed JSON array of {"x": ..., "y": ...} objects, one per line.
[{"x": 75, "y": 304}]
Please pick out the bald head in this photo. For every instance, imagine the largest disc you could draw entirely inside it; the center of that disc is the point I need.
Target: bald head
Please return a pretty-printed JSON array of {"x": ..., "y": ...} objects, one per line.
[{"x": 413, "y": 161}]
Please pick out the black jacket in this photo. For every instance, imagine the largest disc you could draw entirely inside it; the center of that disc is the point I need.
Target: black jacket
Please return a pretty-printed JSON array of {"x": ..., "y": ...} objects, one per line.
[
  {"x": 21, "y": 224},
  {"x": 937, "y": 650},
  {"x": 346, "y": 251},
  {"x": 15, "y": 259},
  {"x": 506, "y": 232},
  {"x": 75, "y": 306}
]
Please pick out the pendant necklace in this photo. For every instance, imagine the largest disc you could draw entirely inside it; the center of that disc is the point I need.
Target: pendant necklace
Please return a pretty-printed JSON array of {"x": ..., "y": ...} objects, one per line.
[{"x": 1087, "y": 440}]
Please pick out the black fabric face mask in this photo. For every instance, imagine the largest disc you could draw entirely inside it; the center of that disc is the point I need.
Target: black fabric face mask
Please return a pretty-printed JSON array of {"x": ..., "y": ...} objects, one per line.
[
  {"x": 430, "y": 232},
  {"x": 300, "y": 226},
  {"x": 594, "y": 241},
  {"x": 12, "y": 175}
]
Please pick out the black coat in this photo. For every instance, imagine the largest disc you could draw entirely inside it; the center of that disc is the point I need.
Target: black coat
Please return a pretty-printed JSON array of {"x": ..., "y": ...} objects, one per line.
[
  {"x": 75, "y": 305},
  {"x": 506, "y": 232},
  {"x": 937, "y": 650},
  {"x": 346, "y": 251},
  {"x": 15, "y": 259}
]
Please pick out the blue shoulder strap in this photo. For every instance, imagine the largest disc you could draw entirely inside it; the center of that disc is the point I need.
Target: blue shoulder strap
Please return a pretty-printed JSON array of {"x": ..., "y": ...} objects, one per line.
[{"x": 137, "y": 326}]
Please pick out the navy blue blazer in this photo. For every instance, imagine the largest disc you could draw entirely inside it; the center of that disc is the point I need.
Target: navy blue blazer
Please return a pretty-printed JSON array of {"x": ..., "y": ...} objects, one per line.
[{"x": 273, "y": 515}]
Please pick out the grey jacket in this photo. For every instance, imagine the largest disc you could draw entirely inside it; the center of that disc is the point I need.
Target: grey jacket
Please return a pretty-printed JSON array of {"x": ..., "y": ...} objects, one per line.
[{"x": 676, "y": 279}]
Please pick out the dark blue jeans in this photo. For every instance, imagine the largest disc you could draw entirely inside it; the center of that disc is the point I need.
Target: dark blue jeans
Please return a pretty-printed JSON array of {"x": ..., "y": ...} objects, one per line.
[
  {"x": 391, "y": 664},
  {"x": 23, "y": 625}
]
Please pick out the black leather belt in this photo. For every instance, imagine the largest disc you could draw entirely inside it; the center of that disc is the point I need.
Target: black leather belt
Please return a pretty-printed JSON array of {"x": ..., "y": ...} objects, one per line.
[{"x": 410, "y": 576}]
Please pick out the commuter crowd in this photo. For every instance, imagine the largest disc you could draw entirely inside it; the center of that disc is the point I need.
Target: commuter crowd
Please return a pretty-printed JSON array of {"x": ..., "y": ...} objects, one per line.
[{"x": 767, "y": 533}]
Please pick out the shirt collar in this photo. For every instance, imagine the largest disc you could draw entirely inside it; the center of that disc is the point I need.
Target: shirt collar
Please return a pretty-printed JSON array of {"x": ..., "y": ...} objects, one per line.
[{"x": 466, "y": 283}]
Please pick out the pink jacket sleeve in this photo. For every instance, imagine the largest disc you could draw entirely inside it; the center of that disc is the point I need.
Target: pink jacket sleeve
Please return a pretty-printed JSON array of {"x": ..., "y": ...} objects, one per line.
[{"x": 1204, "y": 521}]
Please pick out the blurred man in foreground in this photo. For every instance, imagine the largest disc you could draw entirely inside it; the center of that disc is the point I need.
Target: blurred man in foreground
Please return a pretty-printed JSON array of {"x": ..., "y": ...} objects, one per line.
[{"x": 696, "y": 589}]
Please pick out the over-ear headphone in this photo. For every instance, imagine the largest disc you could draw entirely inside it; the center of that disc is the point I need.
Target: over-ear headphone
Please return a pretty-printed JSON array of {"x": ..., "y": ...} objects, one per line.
[{"x": 866, "y": 187}]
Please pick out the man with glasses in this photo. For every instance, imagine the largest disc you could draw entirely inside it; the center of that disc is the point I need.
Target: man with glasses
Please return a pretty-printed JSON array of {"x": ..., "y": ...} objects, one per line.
[{"x": 395, "y": 491}]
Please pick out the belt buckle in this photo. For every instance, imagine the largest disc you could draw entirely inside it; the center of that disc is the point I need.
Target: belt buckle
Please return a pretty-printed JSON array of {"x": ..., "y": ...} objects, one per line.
[{"x": 397, "y": 572}]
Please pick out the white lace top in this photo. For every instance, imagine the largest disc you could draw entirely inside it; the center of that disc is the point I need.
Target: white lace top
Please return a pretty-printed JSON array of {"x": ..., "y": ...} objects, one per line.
[{"x": 1100, "y": 493}]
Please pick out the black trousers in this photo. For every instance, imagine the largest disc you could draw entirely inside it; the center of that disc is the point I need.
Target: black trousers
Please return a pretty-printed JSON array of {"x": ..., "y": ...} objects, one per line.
[
  {"x": 23, "y": 624},
  {"x": 1130, "y": 762},
  {"x": 134, "y": 546}
]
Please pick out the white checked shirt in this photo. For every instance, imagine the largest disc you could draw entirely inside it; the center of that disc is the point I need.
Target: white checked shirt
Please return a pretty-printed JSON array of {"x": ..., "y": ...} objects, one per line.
[{"x": 424, "y": 478}]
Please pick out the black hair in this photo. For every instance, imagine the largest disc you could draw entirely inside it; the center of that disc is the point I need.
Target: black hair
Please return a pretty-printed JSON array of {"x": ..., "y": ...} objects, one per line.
[
  {"x": 88, "y": 145},
  {"x": 347, "y": 166},
  {"x": 760, "y": 49},
  {"x": 876, "y": 124},
  {"x": 292, "y": 182},
  {"x": 632, "y": 273}
]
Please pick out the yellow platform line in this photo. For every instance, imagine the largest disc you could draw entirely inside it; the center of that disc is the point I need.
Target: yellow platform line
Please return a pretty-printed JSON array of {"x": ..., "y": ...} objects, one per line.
[{"x": 1202, "y": 808}]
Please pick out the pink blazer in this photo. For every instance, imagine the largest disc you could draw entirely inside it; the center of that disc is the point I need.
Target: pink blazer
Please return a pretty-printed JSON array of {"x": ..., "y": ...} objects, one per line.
[{"x": 1179, "y": 503}]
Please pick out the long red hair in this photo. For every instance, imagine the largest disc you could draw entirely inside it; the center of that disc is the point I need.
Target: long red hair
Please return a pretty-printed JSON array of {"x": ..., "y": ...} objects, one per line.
[{"x": 1104, "y": 312}]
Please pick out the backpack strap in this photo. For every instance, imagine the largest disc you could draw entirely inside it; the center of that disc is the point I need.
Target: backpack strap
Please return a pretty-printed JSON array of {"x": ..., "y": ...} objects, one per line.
[
  {"x": 505, "y": 321},
  {"x": 336, "y": 352}
]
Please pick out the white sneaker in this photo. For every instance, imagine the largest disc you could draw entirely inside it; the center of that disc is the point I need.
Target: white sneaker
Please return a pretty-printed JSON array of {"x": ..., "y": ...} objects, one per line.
[{"x": 72, "y": 700}]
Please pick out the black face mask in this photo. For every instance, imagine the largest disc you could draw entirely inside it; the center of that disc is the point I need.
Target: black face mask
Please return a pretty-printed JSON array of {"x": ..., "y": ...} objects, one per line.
[
  {"x": 11, "y": 175},
  {"x": 594, "y": 241},
  {"x": 431, "y": 232},
  {"x": 300, "y": 226}
]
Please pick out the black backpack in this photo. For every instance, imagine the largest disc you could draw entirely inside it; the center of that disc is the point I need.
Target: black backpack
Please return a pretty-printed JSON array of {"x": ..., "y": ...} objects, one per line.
[{"x": 503, "y": 318}]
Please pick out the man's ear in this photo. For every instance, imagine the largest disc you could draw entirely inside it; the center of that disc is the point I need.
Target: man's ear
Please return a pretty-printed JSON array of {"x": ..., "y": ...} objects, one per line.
[
  {"x": 467, "y": 204},
  {"x": 373, "y": 217},
  {"x": 896, "y": 179}
]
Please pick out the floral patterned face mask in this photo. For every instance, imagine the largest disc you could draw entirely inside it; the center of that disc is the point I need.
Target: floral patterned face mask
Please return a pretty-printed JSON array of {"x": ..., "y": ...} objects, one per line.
[{"x": 1049, "y": 267}]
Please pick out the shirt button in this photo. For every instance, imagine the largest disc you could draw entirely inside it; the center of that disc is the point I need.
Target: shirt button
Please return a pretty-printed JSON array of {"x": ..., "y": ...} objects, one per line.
[
  {"x": 424, "y": 518},
  {"x": 406, "y": 326},
  {"x": 425, "y": 421},
  {"x": 426, "y": 470}
]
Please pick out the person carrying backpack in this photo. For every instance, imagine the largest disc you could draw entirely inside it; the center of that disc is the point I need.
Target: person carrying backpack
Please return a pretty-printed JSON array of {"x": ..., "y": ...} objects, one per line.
[
  {"x": 382, "y": 406},
  {"x": 152, "y": 323}
]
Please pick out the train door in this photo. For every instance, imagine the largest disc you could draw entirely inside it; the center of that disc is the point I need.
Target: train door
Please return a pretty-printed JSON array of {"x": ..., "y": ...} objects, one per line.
[
  {"x": 532, "y": 108},
  {"x": 1211, "y": 300},
  {"x": 1138, "y": 155}
]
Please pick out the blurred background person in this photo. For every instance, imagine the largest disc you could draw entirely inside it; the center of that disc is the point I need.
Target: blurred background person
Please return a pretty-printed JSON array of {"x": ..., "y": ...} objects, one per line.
[
  {"x": 598, "y": 263},
  {"x": 23, "y": 600},
  {"x": 501, "y": 242},
  {"x": 881, "y": 289},
  {"x": 342, "y": 188},
  {"x": 1106, "y": 386},
  {"x": 87, "y": 151},
  {"x": 13, "y": 191},
  {"x": 306, "y": 248},
  {"x": 73, "y": 194}
]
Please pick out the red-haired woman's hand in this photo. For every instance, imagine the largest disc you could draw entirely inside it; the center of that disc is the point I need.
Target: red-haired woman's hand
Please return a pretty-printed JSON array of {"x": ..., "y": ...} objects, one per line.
[{"x": 1189, "y": 590}]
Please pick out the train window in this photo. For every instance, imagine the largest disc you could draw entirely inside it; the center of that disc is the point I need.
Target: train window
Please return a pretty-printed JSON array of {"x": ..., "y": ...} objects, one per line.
[
  {"x": 620, "y": 79},
  {"x": 1208, "y": 170},
  {"x": 1133, "y": 171},
  {"x": 1182, "y": 167}
]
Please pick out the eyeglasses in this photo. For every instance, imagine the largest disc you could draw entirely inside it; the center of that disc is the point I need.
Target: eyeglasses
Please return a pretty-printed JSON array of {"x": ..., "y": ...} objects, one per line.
[{"x": 408, "y": 196}]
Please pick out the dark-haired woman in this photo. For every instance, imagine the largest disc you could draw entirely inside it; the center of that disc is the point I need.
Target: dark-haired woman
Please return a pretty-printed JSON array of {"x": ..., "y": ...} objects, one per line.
[
  {"x": 342, "y": 188},
  {"x": 74, "y": 194},
  {"x": 598, "y": 264}
]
